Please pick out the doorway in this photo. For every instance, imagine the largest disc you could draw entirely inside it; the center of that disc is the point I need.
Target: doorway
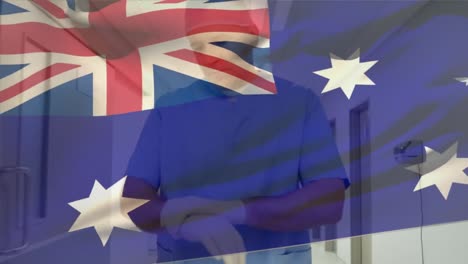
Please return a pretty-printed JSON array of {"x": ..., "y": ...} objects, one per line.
[{"x": 360, "y": 149}]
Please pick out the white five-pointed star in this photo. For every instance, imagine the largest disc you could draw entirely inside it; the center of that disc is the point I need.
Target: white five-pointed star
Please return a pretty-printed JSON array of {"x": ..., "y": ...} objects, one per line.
[
  {"x": 442, "y": 170},
  {"x": 106, "y": 209},
  {"x": 463, "y": 80},
  {"x": 346, "y": 74}
]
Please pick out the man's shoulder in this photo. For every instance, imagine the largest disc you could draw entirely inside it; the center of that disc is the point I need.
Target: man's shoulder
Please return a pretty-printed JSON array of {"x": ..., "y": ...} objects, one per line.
[{"x": 291, "y": 91}]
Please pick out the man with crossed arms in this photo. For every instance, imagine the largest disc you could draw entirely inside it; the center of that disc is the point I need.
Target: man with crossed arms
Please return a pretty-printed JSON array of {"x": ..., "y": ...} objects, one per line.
[
  {"x": 227, "y": 173},
  {"x": 230, "y": 174}
]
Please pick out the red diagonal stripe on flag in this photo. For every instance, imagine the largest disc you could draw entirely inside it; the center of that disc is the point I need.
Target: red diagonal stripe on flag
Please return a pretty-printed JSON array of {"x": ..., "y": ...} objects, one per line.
[
  {"x": 34, "y": 79},
  {"x": 51, "y": 8},
  {"x": 224, "y": 66}
]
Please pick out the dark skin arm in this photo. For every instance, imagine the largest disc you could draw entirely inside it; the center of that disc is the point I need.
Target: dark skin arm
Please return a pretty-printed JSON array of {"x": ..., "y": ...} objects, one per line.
[
  {"x": 317, "y": 203},
  {"x": 147, "y": 216}
]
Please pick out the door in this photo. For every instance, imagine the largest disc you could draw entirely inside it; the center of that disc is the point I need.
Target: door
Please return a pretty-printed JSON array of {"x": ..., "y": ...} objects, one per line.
[
  {"x": 360, "y": 189},
  {"x": 48, "y": 146}
]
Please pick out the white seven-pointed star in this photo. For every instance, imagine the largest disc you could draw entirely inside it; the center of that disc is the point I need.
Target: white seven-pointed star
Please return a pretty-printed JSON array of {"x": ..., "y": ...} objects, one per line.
[
  {"x": 463, "y": 80},
  {"x": 441, "y": 170},
  {"x": 346, "y": 74},
  {"x": 106, "y": 209}
]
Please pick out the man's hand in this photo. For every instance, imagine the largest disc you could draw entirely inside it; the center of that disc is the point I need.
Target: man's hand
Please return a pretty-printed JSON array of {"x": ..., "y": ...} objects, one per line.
[
  {"x": 176, "y": 211},
  {"x": 217, "y": 235}
]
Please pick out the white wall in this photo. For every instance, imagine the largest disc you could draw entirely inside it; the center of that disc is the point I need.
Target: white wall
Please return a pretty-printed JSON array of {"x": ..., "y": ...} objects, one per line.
[{"x": 445, "y": 243}]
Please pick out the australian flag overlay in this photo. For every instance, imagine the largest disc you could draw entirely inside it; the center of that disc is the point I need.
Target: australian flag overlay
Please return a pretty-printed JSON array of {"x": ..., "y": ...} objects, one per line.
[{"x": 386, "y": 72}]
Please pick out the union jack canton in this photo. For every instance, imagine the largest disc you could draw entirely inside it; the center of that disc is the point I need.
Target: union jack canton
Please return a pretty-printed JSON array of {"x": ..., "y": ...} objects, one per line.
[{"x": 118, "y": 42}]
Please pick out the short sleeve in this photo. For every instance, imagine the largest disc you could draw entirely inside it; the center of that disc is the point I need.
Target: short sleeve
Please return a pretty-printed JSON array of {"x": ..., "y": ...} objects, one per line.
[
  {"x": 145, "y": 160},
  {"x": 319, "y": 157}
]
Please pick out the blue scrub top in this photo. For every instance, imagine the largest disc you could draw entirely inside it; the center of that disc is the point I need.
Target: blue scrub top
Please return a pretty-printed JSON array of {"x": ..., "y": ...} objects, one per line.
[{"x": 236, "y": 147}]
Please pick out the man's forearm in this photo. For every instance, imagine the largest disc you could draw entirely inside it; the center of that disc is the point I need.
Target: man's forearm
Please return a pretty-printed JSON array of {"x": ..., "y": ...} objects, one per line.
[
  {"x": 148, "y": 216},
  {"x": 317, "y": 203}
]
